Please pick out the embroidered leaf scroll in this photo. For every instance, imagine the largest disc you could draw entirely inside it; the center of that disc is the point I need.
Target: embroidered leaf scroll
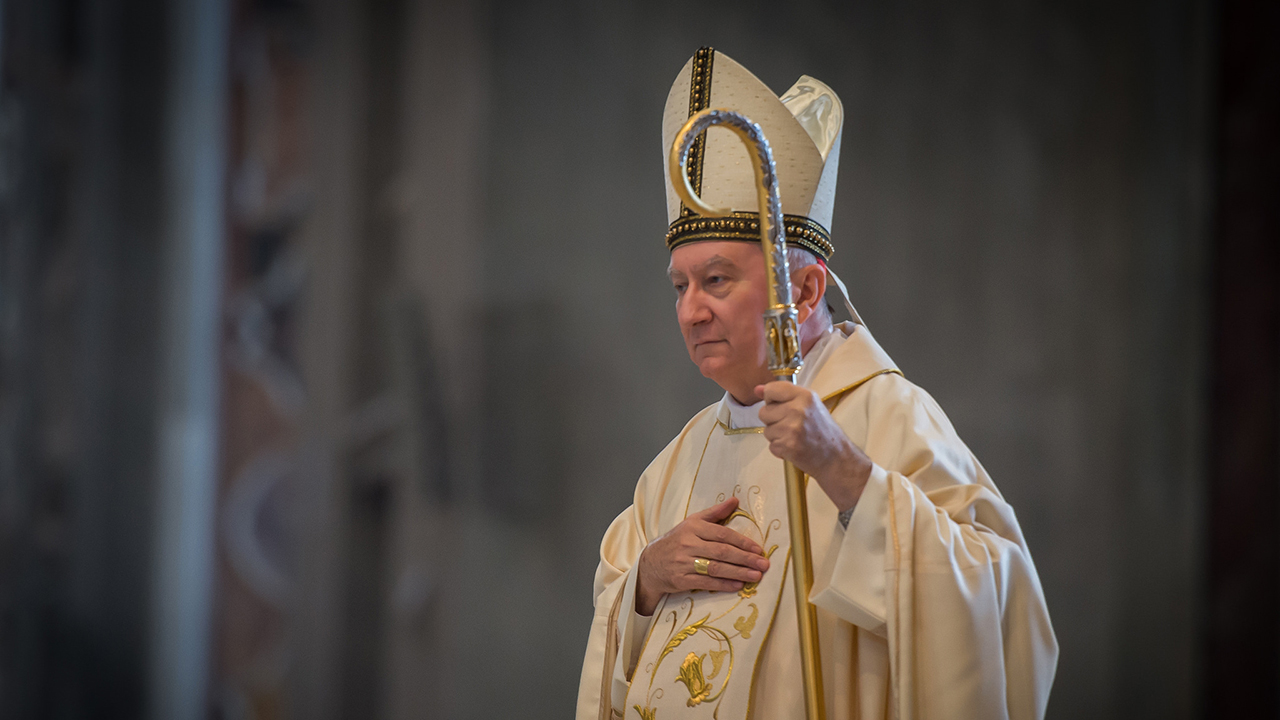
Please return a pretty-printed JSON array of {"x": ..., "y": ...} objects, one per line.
[{"x": 746, "y": 623}]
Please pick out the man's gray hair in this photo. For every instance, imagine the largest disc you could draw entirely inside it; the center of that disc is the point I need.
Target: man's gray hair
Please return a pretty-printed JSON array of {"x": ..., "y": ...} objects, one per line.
[{"x": 799, "y": 258}]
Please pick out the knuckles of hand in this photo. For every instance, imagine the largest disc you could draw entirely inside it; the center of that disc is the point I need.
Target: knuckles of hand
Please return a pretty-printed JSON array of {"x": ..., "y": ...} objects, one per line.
[
  {"x": 667, "y": 565},
  {"x": 781, "y": 449}
]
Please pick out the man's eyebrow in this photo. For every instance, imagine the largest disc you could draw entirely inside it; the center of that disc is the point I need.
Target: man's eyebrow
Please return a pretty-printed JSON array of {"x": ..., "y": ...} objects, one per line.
[{"x": 715, "y": 261}]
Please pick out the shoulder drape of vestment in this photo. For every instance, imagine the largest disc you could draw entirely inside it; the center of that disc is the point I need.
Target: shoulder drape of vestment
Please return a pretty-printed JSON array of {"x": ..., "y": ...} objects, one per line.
[{"x": 929, "y": 604}]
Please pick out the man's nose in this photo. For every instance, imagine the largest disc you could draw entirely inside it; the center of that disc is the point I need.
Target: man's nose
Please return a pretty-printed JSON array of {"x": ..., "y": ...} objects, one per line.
[{"x": 692, "y": 308}]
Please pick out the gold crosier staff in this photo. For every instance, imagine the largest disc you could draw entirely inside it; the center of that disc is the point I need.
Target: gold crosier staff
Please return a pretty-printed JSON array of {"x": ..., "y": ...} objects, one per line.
[{"x": 784, "y": 352}]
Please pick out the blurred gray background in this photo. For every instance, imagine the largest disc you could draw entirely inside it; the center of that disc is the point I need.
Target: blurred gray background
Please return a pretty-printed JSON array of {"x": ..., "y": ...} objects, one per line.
[{"x": 336, "y": 333}]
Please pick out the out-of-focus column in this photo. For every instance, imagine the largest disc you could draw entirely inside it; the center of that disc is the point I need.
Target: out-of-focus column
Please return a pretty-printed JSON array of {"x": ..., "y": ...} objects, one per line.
[{"x": 186, "y": 463}]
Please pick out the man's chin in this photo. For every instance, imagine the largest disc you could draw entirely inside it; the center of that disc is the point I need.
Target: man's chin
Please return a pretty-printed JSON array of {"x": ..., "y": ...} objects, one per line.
[{"x": 713, "y": 368}]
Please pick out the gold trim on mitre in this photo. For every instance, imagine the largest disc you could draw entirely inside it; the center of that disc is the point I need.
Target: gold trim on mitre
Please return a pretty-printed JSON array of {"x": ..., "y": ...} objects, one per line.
[
  {"x": 699, "y": 100},
  {"x": 741, "y": 225},
  {"x": 803, "y": 127}
]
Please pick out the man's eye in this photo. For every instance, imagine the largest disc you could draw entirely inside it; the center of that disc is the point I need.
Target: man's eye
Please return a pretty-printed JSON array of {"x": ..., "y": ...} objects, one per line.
[
  {"x": 715, "y": 279},
  {"x": 679, "y": 288}
]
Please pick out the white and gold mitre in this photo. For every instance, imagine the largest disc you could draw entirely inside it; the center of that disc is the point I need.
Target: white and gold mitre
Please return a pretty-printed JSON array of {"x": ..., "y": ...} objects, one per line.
[{"x": 803, "y": 128}]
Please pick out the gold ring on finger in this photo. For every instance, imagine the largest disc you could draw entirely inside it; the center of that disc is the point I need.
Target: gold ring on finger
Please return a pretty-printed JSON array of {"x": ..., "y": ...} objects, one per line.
[{"x": 701, "y": 566}]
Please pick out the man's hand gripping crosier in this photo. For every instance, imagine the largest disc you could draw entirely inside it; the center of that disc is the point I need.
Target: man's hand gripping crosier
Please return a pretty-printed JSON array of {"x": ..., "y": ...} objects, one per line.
[{"x": 801, "y": 430}]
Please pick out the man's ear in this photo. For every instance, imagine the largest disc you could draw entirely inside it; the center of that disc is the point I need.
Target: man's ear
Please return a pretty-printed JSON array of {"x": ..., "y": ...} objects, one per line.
[{"x": 809, "y": 284}]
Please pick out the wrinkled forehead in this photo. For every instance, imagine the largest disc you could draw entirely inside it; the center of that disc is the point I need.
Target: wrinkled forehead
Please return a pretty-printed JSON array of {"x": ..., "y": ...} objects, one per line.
[{"x": 698, "y": 257}]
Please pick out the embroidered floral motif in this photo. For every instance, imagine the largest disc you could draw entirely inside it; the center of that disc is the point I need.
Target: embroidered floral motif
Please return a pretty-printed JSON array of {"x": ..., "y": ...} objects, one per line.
[{"x": 691, "y": 676}]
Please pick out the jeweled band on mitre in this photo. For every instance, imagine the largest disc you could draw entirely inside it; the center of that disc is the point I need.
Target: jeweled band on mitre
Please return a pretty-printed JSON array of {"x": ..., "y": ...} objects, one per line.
[{"x": 745, "y": 226}]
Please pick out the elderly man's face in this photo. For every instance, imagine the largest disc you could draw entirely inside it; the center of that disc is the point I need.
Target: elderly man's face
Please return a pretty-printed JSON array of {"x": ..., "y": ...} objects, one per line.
[{"x": 720, "y": 297}]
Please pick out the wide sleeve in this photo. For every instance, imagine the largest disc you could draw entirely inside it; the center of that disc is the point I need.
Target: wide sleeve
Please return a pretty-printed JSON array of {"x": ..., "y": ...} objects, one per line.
[
  {"x": 934, "y": 561},
  {"x": 612, "y": 630}
]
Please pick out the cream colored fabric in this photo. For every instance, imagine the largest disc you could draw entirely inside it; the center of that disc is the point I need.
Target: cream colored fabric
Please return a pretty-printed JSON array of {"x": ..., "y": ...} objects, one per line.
[
  {"x": 806, "y": 149},
  {"x": 818, "y": 110},
  {"x": 929, "y": 605}
]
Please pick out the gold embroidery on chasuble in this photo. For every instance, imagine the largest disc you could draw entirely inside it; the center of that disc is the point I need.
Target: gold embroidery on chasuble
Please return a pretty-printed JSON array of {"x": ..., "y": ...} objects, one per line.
[{"x": 703, "y": 648}]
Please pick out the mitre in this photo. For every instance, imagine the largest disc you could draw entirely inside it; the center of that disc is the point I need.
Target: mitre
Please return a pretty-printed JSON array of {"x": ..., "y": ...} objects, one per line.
[{"x": 803, "y": 129}]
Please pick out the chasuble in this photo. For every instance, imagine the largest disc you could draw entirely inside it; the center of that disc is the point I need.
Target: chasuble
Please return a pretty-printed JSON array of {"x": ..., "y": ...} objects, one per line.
[{"x": 928, "y": 603}]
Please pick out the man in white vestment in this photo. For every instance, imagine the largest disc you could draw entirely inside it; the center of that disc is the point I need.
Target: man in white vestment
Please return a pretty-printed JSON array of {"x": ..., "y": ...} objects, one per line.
[{"x": 927, "y": 599}]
